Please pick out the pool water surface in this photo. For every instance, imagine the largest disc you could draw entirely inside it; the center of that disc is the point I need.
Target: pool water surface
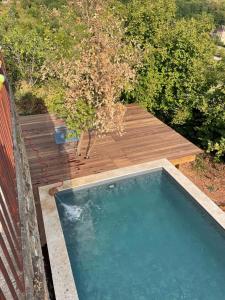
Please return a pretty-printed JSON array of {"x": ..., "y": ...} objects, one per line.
[{"x": 142, "y": 238}]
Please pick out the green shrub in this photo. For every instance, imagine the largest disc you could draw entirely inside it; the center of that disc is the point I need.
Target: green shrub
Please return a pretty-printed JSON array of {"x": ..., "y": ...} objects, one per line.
[{"x": 32, "y": 34}]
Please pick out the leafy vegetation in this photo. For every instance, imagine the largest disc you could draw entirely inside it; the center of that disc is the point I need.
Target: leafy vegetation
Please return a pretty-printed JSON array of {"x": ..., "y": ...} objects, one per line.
[
  {"x": 193, "y": 8},
  {"x": 30, "y": 42},
  {"x": 79, "y": 59}
]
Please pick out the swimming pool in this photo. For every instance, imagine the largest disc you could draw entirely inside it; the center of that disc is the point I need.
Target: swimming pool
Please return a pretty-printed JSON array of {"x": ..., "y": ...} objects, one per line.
[{"x": 142, "y": 236}]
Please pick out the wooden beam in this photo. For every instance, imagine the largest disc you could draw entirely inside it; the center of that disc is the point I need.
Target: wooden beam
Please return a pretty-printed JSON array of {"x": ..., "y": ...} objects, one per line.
[{"x": 183, "y": 160}]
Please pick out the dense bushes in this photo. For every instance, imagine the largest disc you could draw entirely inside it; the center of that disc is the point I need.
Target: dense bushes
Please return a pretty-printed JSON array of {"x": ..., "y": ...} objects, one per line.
[
  {"x": 32, "y": 35},
  {"x": 178, "y": 79}
]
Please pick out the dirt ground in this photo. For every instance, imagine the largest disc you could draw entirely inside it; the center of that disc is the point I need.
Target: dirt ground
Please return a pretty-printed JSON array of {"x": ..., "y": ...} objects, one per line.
[{"x": 208, "y": 176}]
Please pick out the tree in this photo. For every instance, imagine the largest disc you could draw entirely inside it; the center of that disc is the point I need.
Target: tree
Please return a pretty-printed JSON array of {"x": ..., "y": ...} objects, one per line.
[
  {"x": 173, "y": 74},
  {"x": 95, "y": 80}
]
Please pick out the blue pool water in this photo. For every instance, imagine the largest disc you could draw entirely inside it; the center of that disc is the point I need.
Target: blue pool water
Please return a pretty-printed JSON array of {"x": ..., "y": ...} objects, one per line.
[{"x": 142, "y": 238}]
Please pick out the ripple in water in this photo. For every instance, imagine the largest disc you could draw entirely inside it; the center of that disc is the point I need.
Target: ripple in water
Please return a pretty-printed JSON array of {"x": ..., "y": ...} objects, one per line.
[{"x": 72, "y": 213}]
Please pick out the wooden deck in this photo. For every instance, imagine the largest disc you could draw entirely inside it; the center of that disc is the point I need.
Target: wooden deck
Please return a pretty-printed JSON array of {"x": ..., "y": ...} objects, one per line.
[{"x": 145, "y": 139}]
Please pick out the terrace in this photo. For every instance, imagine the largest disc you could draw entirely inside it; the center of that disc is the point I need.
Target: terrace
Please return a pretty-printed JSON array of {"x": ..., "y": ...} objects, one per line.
[{"x": 146, "y": 138}]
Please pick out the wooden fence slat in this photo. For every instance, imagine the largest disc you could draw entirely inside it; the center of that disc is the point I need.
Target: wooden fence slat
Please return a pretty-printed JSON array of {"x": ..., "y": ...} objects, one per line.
[
  {"x": 9, "y": 222},
  {"x": 8, "y": 281},
  {"x": 10, "y": 198},
  {"x": 10, "y": 241},
  {"x": 2, "y": 296},
  {"x": 10, "y": 262}
]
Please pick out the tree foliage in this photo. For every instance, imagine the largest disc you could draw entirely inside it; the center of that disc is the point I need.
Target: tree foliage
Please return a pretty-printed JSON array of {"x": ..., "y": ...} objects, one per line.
[
  {"x": 31, "y": 34},
  {"x": 192, "y": 8}
]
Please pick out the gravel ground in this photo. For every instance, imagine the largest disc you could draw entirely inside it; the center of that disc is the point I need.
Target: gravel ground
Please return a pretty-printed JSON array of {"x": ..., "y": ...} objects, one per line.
[{"x": 208, "y": 176}]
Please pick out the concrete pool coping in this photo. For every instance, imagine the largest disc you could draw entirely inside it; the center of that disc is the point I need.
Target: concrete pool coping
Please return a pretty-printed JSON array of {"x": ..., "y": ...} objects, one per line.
[{"x": 62, "y": 275}]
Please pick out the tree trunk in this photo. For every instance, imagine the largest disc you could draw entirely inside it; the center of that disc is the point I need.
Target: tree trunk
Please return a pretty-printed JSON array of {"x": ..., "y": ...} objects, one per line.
[
  {"x": 79, "y": 146},
  {"x": 90, "y": 146}
]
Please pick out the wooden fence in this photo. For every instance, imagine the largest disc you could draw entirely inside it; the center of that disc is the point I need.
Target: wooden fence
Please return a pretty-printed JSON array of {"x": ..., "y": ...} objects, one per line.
[{"x": 21, "y": 264}]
